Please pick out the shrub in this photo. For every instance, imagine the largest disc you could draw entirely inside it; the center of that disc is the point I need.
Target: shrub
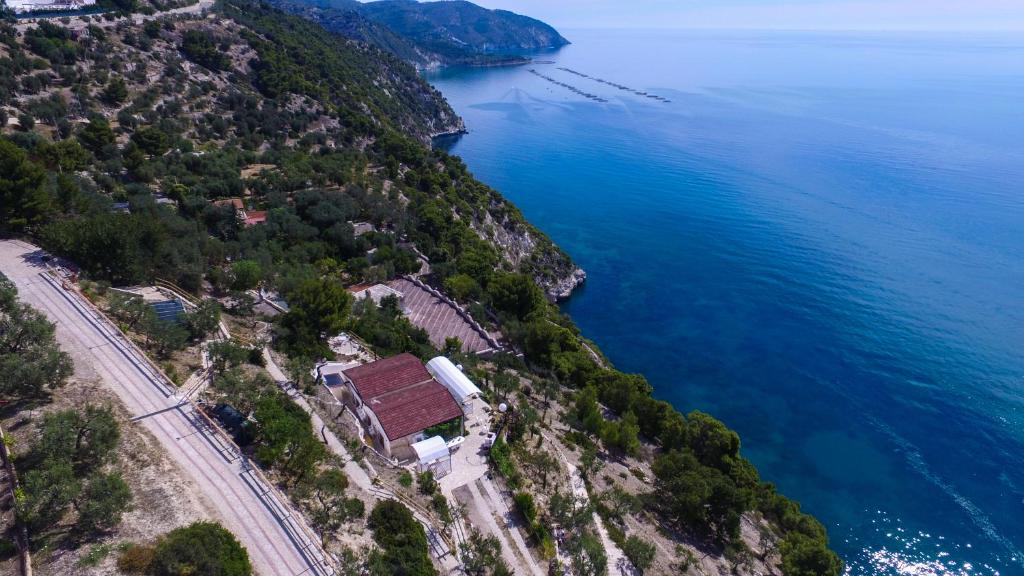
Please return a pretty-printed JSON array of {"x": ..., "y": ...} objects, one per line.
[
  {"x": 405, "y": 478},
  {"x": 136, "y": 559},
  {"x": 200, "y": 548},
  {"x": 402, "y": 541},
  {"x": 526, "y": 506},
  {"x": 427, "y": 484},
  {"x": 354, "y": 508},
  {"x": 8, "y": 549},
  {"x": 501, "y": 456},
  {"x": 640, "y": 552}
]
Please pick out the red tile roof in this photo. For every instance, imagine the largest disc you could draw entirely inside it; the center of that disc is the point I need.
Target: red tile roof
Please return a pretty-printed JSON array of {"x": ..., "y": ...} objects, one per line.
[
  {"x": 236, "y": 202},
  {"x": 414, "y": 409},
  {"x": 387, "y": 375},
  {"x": 403, "y": 395},
  {"x": 255, "y": 217}
]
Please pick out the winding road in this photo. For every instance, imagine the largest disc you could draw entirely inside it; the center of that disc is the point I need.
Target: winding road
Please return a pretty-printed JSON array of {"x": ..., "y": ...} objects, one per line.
[{"x": 277, "y": 539}]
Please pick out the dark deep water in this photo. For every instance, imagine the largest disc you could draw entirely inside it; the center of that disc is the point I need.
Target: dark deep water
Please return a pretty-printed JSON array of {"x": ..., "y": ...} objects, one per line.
[{"x": 820, "y": 241}]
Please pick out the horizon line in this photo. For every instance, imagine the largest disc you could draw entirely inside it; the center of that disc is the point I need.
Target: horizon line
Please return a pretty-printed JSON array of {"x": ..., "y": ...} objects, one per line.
[{"x": 781, "y": 29}]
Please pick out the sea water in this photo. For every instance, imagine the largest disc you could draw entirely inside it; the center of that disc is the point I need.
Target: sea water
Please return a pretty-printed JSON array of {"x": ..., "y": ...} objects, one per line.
[{"x": 818, "y": 240}]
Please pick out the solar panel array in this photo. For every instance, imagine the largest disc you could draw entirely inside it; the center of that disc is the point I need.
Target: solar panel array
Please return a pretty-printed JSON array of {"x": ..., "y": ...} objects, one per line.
[{"x": 169, "y": 310}]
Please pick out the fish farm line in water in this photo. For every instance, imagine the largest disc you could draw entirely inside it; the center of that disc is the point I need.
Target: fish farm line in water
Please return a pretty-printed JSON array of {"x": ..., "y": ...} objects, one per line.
[
  {"x": 614, "y": 85},
  {"x": 570, "y": 88}
]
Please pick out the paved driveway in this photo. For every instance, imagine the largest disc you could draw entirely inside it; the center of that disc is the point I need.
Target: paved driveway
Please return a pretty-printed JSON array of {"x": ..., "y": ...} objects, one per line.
[{"x": 266, "y": 526}]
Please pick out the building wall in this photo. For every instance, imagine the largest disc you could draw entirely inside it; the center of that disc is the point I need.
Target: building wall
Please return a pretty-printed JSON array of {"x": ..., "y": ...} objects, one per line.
[{"x": 401, "y": 449}]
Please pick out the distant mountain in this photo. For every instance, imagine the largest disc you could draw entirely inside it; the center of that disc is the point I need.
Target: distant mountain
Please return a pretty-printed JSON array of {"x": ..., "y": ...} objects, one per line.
[{"x": 432, "y": 33}]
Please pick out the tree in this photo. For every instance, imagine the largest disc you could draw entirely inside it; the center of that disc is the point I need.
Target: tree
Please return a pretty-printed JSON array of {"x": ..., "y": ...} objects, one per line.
[
  {"x": 620, "y": 502},
  {"x": 225, "y": 354},
  {"x": 403, "y": 544},
  {"x": 542, "y": 463},
  {"x": 452, "y": 346},
  {"x": 515, "y": 294},
  {"x": 245, "y": 391},
  {"x": 131, "y": 310},
  {"x": 586, "y": 553},
  {"x": 623, "y": 436},
  {"x": 806, "y": 556},
  {"x": 317, "y": 311},
  {"x": 481, "y": 556},
  {"x": 200, "y": 548},
  {"x": 23, "y": 200},
  {"x": 640, "y": 552},
  {"x": 698, "y": 497},
  {"x": 569, "y": 511},
  {"x": 165, "y": 337},
  {"x": 197, "y": 47},
  {"x": 97, "y": 136},
  {"x": 64, "y": 156},
  {"x": 101, "y": 504},
  {"x": 245, "y": 275},
  {"x": 85, "y": 437},
  {"x": 285, "y": 437},
  {"x": 525, "y": 506},
  {"x": 48, "y": 491},
  {"x": 329, "y": 508},
  {"x": 711, "y": 441},
  {"x": 589, "y": 462},
  {"x": 151, "y": 140},
  {"x": 588, "y": 412},
  {"x": 31, "y": 363},
  {"x": 426, "y": 483},
  {"x": 204, "y": 320},
  {"x": 462, "y": 287},
  {"x": 116, "y": 91}
]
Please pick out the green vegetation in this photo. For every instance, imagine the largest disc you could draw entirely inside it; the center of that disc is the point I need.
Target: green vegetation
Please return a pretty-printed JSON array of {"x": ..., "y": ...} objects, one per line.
[
  {"x": 481, "y": 556},
  {"x": 199, "y": 48},
  {"x": 640, "y": 552},
  {"x": 31, "y": 363},
  {"x": 453, "y": 32},
  {"x": 66, "y": 468},
  {"x": 319, "y": 133},
  {"x": 331, "y": 509},
  {"x": 403, "y": 544},
  {"x": 163, "y": 337},
  {"x": 285, "y": 438},
  {"x": 318, "y": 309},
  {"x": 199, "y": 548}
]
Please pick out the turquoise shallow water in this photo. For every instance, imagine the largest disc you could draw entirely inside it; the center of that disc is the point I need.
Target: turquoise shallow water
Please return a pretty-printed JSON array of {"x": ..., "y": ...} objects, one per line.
[{"x": 820, "y": 240}]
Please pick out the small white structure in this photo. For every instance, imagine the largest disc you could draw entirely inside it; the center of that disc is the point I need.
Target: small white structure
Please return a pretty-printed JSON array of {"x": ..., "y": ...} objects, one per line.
[
  {"x": 377, "y": 292},
  {"x": 432, "y": 454},
  {"x": 449, "y": 375},
  {"x": 22, "y": 6}
]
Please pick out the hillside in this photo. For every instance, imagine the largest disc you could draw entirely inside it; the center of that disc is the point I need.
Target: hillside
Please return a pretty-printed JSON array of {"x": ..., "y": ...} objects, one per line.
[
  {"x": 176, "y": 108},
  {"x": 432, "y": 33},
  {"x": 243, "y": 148}
]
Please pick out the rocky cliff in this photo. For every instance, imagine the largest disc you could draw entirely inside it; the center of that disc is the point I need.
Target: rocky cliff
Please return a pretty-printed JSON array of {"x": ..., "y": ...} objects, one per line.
[{"x": 430, "y": 34}]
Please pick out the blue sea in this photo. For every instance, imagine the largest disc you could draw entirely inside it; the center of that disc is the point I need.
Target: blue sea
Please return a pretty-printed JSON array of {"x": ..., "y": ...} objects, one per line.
[{"x": 819, "y": 240}]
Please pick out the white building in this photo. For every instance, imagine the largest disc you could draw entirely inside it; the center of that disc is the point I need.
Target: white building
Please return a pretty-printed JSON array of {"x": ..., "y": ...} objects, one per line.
[
  {"x": 432, "y": 454},
  {"x": 21, "y": 6},
  {"x": 398, "y": 403},
  {"x": 377, "y": 292},
  {"x": 452, "y": 378}
]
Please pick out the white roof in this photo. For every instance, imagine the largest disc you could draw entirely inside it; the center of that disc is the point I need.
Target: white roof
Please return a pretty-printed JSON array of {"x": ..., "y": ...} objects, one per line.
[
  {"x": 431, "y": 449},
  {"x": 377, "y": 292},
  {"x": 461, "y": 387}
]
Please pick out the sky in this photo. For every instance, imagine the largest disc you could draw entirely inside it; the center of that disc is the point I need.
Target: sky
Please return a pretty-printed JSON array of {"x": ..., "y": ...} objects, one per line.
[{"x": 938, "y": 15}]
